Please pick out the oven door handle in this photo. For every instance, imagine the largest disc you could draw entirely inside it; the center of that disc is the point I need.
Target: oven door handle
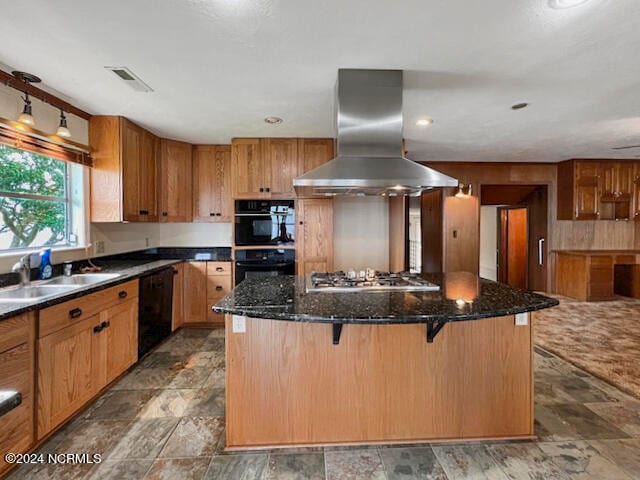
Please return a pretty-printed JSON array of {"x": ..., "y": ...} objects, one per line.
[
  {"x": 279, "y": 214},
  {"x": 262, "y": 265}
]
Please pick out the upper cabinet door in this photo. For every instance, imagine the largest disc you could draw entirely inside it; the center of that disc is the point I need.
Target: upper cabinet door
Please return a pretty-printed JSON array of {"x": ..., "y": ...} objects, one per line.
[
  {"x": 313, "y": 152},
  {"x": 212, "y": 183},
  {"x": 314, "y": 235},
  {"x": 131, "y": 151},
  {"x": 281, "y": 162},
  {"x": 625, "y": 179},
  {"x": 176, "y": 200},
  {"x": 587, "y": 186},
  {"x": 248, "y": 168},
  {"x": 148, "y": 178}
]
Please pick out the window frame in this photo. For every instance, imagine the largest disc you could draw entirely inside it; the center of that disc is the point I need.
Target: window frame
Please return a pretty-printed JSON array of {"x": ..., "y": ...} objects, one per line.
[{"x": 66, "y": 200}]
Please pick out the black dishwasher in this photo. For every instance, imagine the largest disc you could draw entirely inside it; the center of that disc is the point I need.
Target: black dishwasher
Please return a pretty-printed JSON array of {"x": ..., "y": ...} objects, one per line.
[{"x": 155, "y": 309}]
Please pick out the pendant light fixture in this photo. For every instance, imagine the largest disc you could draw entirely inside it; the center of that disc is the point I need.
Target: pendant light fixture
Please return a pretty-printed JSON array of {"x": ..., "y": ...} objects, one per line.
[
  {"x": 26, "y": 116},
  {"x": 63, "y": 131}
]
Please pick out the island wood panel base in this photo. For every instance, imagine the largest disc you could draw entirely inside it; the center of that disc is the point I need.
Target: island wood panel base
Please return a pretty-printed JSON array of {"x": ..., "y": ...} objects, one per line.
[{"x": 287, "y": 384}]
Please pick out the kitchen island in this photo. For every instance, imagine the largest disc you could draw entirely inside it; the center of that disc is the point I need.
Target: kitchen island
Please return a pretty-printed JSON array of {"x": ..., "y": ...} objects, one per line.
[{"x": 378, "y": 367}]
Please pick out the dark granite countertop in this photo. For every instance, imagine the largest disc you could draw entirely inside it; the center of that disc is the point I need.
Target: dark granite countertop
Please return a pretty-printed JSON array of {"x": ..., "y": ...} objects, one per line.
[
  {"x": 462, "y": 296},
  {"x": 128, "y": 270}
]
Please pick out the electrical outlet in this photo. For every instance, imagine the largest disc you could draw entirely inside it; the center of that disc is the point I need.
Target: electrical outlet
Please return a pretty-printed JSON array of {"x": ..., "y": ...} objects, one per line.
[
  {"x": 99, "y": 246},
  {"x": 522, "y": 319},
  {"x": 146, "y": 241},
  {"x": 239, "y": 324}
]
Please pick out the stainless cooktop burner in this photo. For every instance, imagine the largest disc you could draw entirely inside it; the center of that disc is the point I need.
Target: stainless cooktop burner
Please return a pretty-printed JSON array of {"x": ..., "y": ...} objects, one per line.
[{"x": 366, "y": 281}]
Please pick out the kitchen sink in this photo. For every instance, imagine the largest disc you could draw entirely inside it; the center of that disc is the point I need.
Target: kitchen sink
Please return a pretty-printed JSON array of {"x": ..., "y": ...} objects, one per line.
[
  {"x": 82, "y": 279},
  {"x": 26, "y": 294}
]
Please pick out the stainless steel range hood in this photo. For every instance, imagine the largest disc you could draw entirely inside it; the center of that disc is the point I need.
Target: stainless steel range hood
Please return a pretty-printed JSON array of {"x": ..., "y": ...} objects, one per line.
[{"x": 370, "y": 160}]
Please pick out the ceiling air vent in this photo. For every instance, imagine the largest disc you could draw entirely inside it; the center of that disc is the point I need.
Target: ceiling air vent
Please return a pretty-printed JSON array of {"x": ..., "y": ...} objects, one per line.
[
  {"x": 626, "y": 147},
  {"x": 130, "y": 79}
]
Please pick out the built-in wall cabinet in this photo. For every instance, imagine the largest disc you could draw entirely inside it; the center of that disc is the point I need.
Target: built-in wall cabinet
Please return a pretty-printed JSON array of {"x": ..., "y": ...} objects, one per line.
[
  {"x": 212, "y": 183},
  {"x": 124, "y": 177},
  {"x": 266, "y": 167},
  {"x": 176, "y": 197},
  {"x": 314, "y": 235},
  {"x": 599, "y": 190}
]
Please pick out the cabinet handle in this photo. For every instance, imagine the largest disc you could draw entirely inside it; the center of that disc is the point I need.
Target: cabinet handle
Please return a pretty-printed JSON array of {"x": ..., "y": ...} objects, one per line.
[
  {"x": 211, "y": 214},
  {"x": 218, "y": 214},
  {"x": 97, "y": 328},
  {"x": 122, "y": 294},
  {"x": 268, "y": 189},
  {"x": 261, "y": 189},
  {"x": 165, "y": 214},
  {"x": 144, "y": 212},
  {"x": 75, "y": 313},
  {"x": 218, "y": 288},
  {"x": 219, "y": 269},
  {"x": 105, "y": 324}
]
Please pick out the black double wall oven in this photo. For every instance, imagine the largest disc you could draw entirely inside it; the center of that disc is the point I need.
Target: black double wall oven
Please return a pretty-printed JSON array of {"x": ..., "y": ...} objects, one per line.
[{"x": 264, "y": 223}]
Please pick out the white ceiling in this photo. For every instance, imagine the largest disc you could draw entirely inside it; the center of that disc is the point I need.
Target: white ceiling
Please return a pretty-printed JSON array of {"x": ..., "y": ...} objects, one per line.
[{"x": 218, "y": 67}]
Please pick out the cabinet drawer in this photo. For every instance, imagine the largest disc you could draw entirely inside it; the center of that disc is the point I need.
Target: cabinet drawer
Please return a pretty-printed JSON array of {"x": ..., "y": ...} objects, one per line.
[
  {"x": 15, "y": 330},
  {"x": 17, "y": 424},
  {"x": 218, "y": 286},
  {"x": 218, "y": 268},
  {"x": 64, "y": 314}
]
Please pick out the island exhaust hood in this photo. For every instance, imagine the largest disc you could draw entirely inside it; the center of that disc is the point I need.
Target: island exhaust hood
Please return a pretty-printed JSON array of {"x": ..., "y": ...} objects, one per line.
[{"x": 370, "y": 160}]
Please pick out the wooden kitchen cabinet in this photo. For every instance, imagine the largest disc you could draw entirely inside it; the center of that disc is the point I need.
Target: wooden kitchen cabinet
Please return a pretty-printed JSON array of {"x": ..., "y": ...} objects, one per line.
[
  {"x": 124, "y": 176},
  {"x": 598, "y": 190},
  {"x": 177, "y": 318},
  {"x": 314, "y": 235},
  {"x": 68, "y": 372},
  {"x": 205, "y": 284},
  {"x": 281, "y": 166},
  {"x": 84, "y": 344},
  {"x": 212, "y": 196},
  {"x": 313, "y": 152},
  {"x": 17, "y": 364},
  {"x": 120, "y": 337},
  {"x": 176, "y": 199},
  {"x": 266, "y": 167},
  {"x": 195, "y": 292},
  {"x": 248, "y": 168}
]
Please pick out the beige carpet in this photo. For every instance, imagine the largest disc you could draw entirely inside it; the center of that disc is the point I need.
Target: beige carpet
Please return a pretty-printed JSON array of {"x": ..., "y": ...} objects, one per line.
[{"x": 600, "y": 337}]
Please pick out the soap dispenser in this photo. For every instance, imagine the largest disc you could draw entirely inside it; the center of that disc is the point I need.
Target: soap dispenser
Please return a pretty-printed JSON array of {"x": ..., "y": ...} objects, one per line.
[{"x": 45, "y": 271}]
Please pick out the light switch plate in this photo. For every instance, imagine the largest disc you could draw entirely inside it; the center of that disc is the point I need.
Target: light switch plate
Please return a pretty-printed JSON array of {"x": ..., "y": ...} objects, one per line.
[
  {"x": 239, "y": 324},
  {"x": 522, "y": 319}
]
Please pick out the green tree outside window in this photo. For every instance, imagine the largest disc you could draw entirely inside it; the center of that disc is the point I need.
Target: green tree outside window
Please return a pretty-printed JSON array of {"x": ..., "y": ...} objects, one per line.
[{"x": 33, "y": 200}]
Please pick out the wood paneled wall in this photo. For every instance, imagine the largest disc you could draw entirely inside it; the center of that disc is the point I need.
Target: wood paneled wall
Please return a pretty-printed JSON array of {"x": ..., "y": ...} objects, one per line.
[{"x": 563, "y": 235}]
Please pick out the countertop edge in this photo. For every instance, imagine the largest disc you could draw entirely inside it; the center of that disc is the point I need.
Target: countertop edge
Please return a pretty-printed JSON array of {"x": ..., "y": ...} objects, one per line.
[
  {"x": 410, "y": 319},
  {"x": 80, "y": 292}
]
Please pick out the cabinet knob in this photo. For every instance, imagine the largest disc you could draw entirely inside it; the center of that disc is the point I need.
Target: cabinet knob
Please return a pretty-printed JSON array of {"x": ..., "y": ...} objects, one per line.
[
  {"x": 98, "y": 328},
  {"x": 122, "y": 294},
  {"x": 301, "y": 222},
  {"x": 218, "y": 288},
  {"x": 105, "y": 324},
  {"x": 268, "y": 189},
  {"x": 165, "y": 214},
  {"x": 261, "y": 189},
  {"x": 75, "y": 313}
]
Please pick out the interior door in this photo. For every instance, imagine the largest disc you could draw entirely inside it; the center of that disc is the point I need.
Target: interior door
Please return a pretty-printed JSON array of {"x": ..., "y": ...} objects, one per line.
[{"x": 513, "y": 246}]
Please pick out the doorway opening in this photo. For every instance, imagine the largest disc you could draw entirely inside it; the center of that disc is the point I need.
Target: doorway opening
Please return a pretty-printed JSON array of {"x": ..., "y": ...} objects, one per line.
[{"x": 513, "y": 233}]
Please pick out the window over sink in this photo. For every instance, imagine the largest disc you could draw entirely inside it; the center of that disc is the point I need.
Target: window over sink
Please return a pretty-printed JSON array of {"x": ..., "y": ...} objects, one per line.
[{"x": 41, "y": 201}]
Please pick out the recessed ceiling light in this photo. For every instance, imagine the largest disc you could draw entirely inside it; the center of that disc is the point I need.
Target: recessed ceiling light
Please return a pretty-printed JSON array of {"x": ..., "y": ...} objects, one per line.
[
  {"x": 424, "y": 122},
  {"x": 561, "y": 4},
  {"x": 273, "y": 120},
  {"x": 519, "y": 106}
]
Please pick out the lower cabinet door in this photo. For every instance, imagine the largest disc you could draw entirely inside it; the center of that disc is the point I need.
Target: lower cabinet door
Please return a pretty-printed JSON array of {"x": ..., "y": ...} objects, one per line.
[
  {"x": 68, "y": 373},
  {"x": 121, "y": 338}
]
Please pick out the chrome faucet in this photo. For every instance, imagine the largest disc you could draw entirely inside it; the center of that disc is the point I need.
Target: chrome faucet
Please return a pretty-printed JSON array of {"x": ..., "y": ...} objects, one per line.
[{"x": 23, "y": 267}]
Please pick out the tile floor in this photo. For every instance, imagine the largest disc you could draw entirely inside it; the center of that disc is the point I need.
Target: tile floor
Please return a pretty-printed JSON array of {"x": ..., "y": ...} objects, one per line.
[{"x": 165, "y": 420}]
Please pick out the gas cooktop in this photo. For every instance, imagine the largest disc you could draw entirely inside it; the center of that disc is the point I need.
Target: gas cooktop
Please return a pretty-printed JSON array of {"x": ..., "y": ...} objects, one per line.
[{"x": 366, "y": 281}]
